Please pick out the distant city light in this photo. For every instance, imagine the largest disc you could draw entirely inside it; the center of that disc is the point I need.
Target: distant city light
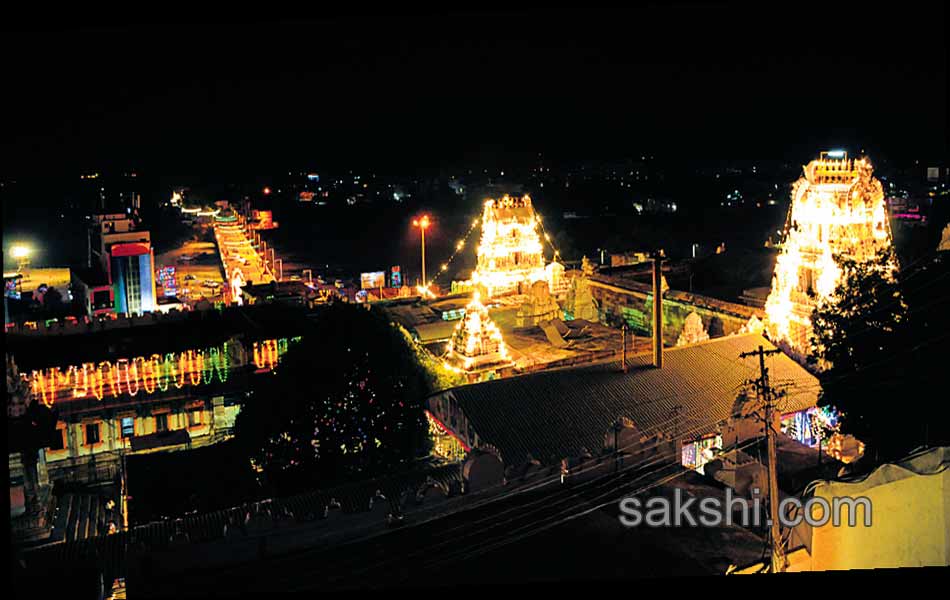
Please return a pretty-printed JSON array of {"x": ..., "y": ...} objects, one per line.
[{"x": 267, "y": 191}]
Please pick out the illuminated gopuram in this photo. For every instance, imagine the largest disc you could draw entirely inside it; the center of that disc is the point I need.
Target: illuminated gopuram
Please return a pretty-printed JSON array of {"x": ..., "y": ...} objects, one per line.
[
  {"x": 510, "y": 252},
  {"x": 837, "y": 210},
  {"x": 476, "y": 343}
]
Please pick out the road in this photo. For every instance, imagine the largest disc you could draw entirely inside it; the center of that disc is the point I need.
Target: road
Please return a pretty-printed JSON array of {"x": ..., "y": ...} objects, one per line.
[
  {"x": 190, "y": 275},
  {"x": 238, "y": 254}
]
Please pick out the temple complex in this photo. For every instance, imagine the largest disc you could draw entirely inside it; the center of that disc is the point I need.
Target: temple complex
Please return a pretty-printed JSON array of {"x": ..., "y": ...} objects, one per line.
[{"x": 837, "y": 210}]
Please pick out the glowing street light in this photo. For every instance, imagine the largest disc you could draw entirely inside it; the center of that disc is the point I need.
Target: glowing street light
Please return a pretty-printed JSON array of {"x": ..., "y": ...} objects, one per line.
[
  {"x": 22, "y": 256},
  {"x": 422, "y": 223}
]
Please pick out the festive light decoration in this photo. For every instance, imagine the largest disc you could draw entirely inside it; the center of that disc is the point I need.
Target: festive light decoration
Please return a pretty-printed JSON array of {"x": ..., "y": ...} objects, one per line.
[
  {"x": 152, "y": 374},
  {"x": 236, "y": 283},
  {"x": 426, "y": 292},
  {"x": 477, "y": 343},
  {"x": 837, "y": 210},
  {"x": 265, "y": 354},
  {"x": 510, "y": 251}
]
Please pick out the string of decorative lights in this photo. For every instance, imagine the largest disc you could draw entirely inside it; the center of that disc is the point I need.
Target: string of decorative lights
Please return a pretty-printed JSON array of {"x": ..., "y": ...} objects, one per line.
[
  {"x": 459, "y": 246},
  {"x": 154, "y": 373},
  {"x": 547, "y": 237}
]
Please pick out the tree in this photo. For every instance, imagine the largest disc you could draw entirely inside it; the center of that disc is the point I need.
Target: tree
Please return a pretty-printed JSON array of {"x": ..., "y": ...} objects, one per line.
[
  {"x": 30, "y": 427},
  {"x": 347, "y": 400},
  {"x": 872, "y": 337}
]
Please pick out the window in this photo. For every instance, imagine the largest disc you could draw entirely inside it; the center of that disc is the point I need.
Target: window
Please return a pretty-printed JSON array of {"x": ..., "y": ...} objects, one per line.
[
  {"x": 128, "y": 427},
  {"x": 59, "y": 440},
  {"x": 92, "y": 434},
  {"x": 194, "y": 417},
  {"x": 161, "y": 422}
]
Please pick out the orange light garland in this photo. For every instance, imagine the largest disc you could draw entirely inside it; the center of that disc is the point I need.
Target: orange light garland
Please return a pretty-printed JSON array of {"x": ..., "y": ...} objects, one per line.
[{"x": 153, "y": 374}]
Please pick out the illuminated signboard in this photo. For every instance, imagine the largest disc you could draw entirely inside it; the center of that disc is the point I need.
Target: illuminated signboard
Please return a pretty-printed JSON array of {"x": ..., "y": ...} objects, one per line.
[
  {"x": 376, "y": 279},
  {"x": 166, "y": 278},
  {"x": 395, "y": 277},
  {"x": 313, "y": 177}
]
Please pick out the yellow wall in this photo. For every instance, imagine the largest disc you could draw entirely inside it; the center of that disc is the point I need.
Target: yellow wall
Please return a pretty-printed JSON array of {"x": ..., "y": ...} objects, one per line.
[
  {"x": 910, "y": 525},
  {"x": 110, "y": 432}
]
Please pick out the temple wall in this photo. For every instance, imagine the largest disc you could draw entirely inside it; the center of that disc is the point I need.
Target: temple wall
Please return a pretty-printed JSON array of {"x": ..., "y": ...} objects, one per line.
[{"x": 635, "y": 307}]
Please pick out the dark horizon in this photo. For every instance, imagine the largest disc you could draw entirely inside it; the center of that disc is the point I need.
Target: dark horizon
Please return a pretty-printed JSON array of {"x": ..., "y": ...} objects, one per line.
[{"x": 702, "y": 82}]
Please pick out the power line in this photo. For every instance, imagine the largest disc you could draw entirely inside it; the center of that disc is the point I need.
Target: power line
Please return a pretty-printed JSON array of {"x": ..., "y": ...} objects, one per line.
[{"x": 571, "y": 493}]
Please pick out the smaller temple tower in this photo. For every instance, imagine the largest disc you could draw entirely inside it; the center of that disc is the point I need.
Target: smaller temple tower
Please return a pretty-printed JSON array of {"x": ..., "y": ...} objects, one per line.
[{"x": 476, "y": 345}]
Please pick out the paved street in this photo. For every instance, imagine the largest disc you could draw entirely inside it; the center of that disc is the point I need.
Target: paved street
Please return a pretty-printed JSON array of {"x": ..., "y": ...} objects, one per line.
[
  {"x": 239, "y": 254},
  {"x": 191, "y": 274}
]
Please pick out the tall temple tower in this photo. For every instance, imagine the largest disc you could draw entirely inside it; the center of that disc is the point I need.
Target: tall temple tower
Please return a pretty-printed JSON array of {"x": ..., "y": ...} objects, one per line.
[
  {"x": 510, "y": 252},
  {"x": 837, "y": 210}
]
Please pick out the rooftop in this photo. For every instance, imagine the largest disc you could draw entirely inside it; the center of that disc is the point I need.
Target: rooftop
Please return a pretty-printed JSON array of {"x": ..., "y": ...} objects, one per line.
[{"x": 553, "y": 414}]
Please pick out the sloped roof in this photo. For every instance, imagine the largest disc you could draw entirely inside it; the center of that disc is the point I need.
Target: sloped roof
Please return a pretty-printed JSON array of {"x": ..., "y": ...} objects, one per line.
[{"x": 555, "y": 414}]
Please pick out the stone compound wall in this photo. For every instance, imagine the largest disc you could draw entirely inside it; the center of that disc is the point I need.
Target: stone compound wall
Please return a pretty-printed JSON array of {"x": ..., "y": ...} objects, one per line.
[{"x": 633, "y": 304}]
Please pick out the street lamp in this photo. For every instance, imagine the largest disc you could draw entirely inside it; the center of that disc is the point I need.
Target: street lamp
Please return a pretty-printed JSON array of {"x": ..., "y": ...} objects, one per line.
[
  {"x": 422, "y": 223},
  {"x": 22, "y": 256}
]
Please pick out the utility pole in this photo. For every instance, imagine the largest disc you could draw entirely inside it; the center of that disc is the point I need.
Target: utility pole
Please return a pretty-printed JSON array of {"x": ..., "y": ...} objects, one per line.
[
  {"x": 658, "y": 257},
  {"x": 623, "y": 331},
  {"x": 765, "y": 393}
]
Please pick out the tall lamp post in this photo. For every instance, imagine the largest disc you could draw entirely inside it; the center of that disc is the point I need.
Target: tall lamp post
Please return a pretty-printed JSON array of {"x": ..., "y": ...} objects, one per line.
[
  {"x": 22, "y": 256},
  {"x": 422, "y": 223}
]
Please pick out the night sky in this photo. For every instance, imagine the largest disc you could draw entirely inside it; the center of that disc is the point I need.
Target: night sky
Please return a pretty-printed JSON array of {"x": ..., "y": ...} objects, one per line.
[{"x": 407, "y": 91}]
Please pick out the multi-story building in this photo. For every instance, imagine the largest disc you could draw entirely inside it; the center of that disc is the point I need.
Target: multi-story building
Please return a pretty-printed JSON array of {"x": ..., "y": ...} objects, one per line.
[
  {"x": 147, "y": 403},
  {"x": 125, "y": 256},
  {"x": 132, "y": 268}
]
